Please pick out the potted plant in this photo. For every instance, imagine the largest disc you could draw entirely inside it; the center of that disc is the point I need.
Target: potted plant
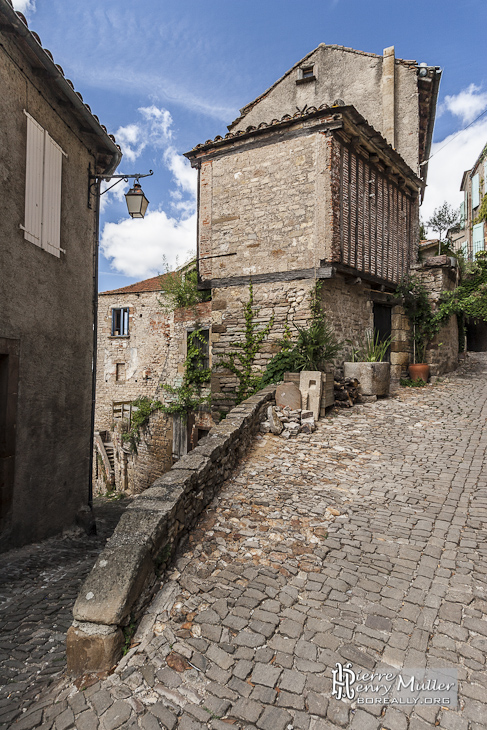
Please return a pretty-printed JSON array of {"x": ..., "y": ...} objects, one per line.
[
  {"x": 368, "y": 364},
  {"x": 424, "y": 324}
]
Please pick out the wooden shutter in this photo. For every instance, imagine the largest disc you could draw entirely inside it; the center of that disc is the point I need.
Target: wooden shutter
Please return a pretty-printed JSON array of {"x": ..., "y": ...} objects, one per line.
[
  {"x": 478, "y": 238},
  {"x": 51, "y": 200},
  {"x": 462, "y": 214},
  {"x": 34, "y": 175},
  {"x": 475, "y": 191}
]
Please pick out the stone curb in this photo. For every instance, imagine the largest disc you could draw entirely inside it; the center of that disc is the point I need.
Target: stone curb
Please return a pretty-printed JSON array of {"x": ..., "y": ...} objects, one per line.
[{"x": 125, "y": 574}]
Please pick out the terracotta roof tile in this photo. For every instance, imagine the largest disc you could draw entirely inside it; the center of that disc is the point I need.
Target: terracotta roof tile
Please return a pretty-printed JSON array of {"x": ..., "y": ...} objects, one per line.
[{"x": 147, "y": 285}]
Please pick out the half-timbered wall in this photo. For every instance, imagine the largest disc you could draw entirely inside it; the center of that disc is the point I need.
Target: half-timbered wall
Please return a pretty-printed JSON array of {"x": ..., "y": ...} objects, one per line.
[{"x": 378, "y": 230}]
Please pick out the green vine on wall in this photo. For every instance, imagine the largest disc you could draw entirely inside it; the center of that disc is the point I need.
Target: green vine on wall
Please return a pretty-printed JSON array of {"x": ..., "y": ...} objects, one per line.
[
  {"x": 189, "y": 396},
  {"x": 142, "y": 410},
  {"x": 240, "y": 361},
  {"x": 313, "y": 347}
]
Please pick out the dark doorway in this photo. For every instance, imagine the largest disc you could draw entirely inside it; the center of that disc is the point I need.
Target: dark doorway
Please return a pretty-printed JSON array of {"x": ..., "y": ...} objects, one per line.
[
  {"x": 382, "y": 323},
  {"x": 9, "y": 376},
  {"x": 476, "y": 336}
]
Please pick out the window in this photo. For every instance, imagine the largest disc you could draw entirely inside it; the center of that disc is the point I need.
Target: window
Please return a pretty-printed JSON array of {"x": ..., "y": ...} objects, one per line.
[
  {"x": 42, "y": 223},
  {"x": 462, "y": 214},
  {"x": 475, "y": 191},
  {"x": 477, "y": 238},
  {"x": 305, "y": 74},
  {"x": 122, "y": 410},
  {"x": 120, "y": 322},
  {"x": 202, "y": 342}
]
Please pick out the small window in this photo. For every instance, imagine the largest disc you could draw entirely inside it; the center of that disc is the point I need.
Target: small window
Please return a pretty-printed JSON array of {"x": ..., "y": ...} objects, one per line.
[
  {"x": 120, "y": 322},
  {"x": 201, "y": 339},
  {"x": 308, "y": 72},
  {"x": 305, "y": 74},
  {"x": 120, "y": 372}
]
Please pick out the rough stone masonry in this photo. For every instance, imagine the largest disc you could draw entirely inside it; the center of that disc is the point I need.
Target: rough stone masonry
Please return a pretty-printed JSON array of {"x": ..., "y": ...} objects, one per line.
[{"x": 362, "y": 542}]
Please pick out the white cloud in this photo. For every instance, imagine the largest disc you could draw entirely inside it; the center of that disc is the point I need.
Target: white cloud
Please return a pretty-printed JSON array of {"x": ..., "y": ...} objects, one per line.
[
  {"x": 467, "y": 104},
  {"x": 24, "y": 6},
  {"x": 137, "y": 247},
  {"x": 446, "y": 168}
]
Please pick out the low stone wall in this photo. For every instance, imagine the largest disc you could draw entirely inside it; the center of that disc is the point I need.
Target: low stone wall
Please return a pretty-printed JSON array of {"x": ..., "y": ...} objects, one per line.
[{"x": 125, "y": 576}]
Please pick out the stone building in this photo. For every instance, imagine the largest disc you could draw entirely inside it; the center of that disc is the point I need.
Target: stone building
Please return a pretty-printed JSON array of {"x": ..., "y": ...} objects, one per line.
[
  {"x": 142, "y": 346},
  {"x": 304, "y": 189},
  {"x": 49, "y": 139},
  {"x": 472, "y": 236}
]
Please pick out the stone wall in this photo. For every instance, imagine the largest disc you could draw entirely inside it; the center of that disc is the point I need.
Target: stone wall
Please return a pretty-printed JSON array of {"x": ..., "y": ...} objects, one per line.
[
  {"x": 128, "y": 570},
  {"x": 356, "y": 78},
  {"x": 46, "y": 292},
  {"x": 139, "y": 365},
  {"x": 438, "y": 274}
]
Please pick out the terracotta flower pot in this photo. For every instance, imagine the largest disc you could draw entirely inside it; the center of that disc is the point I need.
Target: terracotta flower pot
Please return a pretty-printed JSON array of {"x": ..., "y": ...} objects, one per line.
[{"x": 419, "y": 370}]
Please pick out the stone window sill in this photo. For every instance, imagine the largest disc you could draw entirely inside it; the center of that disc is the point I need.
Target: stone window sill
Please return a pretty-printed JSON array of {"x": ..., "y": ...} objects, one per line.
[{"x": 306, "y": 79}]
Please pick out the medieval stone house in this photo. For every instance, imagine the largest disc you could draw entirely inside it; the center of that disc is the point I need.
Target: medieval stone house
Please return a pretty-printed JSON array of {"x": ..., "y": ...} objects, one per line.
[
  {"x": 142, "y": 346},
  {"x": 319, "y": 179},
  {"x": 472, "y": 236},
  {"x": 49, "y": 139}
]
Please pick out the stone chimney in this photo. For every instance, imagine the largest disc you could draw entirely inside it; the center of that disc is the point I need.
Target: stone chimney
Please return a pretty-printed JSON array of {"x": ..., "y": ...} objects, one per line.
[{"x": 388, "y": 91}]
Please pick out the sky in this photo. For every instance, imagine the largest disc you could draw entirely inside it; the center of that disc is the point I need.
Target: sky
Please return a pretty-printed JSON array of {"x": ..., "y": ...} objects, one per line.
[{"x": 165, "y": 75}]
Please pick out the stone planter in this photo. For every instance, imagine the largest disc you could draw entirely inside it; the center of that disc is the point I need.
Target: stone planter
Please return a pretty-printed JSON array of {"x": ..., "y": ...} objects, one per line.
[{"x": 374, "y": 377}]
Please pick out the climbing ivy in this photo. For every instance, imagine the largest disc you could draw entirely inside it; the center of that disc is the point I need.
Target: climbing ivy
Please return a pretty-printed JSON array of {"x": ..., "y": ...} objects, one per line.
[
  {"x": 469, "y": 299},
  {"x": 188, "y": 396},
  {"x": 313, "y": 347},
  {"x": 241, "y": 360},
  {"x": 142, "y": 410}
]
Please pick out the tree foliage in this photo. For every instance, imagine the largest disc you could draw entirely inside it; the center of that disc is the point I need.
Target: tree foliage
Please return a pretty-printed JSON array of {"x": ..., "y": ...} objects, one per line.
[
  {"x": 180, "y": 289},
  {"x": 443, "y": 218}
]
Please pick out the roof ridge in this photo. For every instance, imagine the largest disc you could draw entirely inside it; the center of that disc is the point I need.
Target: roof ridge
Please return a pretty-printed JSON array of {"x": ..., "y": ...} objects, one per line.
[{"x": 248, "y": 107}]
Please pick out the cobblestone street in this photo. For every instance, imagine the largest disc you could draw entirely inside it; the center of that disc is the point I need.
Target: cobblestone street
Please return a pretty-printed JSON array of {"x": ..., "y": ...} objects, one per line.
[
  {"x": 362, "y": 542},
  {"x": 38, "y": 586}
]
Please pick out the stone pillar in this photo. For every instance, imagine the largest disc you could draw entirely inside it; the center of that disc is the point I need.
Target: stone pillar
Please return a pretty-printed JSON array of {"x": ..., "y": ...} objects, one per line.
[
  {"x": 400, "y": 346},
  {"x": 388, "y": 95}
]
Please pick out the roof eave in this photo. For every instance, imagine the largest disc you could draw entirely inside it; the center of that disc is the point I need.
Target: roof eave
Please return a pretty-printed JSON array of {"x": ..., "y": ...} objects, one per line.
[{"x": 16, "y": 21}]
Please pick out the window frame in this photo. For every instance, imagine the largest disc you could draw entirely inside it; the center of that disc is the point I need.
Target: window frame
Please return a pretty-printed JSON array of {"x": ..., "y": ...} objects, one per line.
[{"x": 124, "y": 325}]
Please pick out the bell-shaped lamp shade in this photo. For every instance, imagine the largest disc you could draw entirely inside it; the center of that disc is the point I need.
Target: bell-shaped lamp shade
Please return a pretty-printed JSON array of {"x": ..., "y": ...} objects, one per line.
[{"x": 136, "y": 201}]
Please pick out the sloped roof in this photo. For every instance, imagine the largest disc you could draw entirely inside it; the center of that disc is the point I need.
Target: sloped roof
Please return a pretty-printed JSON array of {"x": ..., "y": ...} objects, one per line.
[
  {"x": 153, "y": 284},
  {"x": 346, "y": 113},
  {"x": 41, "y": 60}
]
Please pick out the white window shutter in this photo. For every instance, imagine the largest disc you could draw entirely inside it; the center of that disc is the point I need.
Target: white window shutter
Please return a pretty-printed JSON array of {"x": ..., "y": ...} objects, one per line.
[
  {"x": 475, "y": 191},
  {"x": 51, "y": 204},
  {"x": 33, "y": 182},
  {"x": 478, "y": 238}
]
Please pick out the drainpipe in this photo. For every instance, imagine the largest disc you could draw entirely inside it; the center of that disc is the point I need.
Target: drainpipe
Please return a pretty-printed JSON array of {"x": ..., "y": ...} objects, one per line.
[{"x": 96, "y": 245}]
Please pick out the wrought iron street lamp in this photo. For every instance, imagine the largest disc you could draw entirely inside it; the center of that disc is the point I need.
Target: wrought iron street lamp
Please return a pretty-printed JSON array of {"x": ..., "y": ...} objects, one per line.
[{"x": 135, "y": 198}]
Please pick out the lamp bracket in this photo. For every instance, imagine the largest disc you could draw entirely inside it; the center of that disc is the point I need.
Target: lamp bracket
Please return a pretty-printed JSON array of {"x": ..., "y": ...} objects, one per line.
[{"x": 118, "y": 178}]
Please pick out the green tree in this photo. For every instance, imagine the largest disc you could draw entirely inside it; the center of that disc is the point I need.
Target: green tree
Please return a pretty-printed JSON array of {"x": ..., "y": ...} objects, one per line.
[{"x": 443, "y": 218}]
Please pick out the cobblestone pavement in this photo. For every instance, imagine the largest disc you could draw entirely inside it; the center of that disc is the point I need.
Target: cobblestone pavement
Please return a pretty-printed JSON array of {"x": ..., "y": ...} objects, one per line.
[
  {"x": 363, "y": 542},
  {"x": 38, "y": 586}
]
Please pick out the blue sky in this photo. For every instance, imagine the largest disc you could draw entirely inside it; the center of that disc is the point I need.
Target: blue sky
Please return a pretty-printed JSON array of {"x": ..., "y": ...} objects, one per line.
[{"x": 165, "y": 75}]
